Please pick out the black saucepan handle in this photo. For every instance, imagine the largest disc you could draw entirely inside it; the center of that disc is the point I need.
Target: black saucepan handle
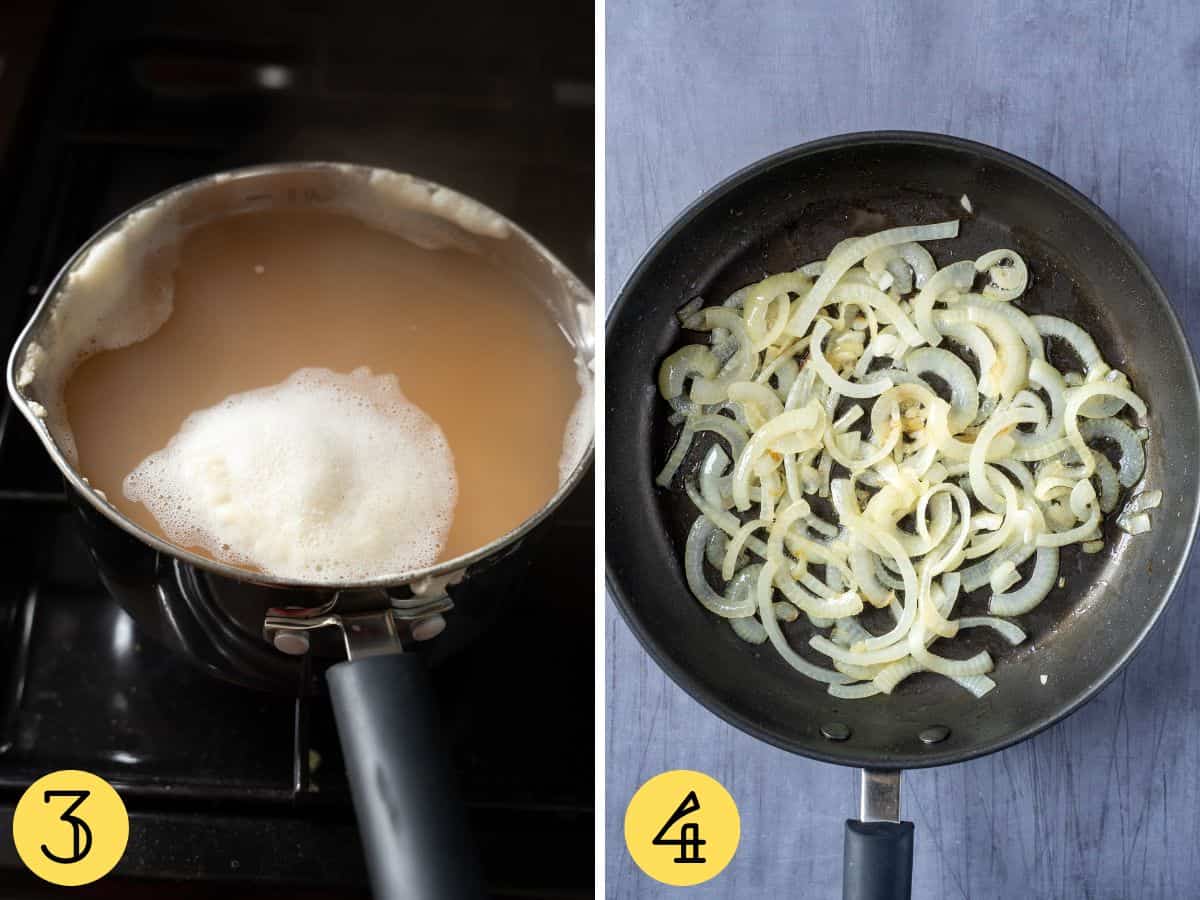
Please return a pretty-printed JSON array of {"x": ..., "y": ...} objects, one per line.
[
  {"x": 410, "y": 816},
  {"x": 877, "y": 861}
]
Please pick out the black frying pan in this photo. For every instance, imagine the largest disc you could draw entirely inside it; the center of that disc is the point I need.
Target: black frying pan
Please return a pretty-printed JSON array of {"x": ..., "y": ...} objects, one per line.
[{"x": 788, "y": 210}]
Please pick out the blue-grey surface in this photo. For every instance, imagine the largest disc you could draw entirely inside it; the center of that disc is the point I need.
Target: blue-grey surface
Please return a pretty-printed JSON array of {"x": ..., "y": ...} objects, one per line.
[{"x": 1106, "y": 805}]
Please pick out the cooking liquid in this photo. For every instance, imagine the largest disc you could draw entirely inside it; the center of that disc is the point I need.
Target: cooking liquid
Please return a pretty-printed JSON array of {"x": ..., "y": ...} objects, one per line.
[{"x": 259, "y": 296}]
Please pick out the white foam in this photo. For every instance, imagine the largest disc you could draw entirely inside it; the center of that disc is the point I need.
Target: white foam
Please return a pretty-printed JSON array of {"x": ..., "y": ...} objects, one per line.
[
  {"x": 324, "y": 477},
  {"x": 107, "y": 302},
  {"x": 577, "y": 435}
]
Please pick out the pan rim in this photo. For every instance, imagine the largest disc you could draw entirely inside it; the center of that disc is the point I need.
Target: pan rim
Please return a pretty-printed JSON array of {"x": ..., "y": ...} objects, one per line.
[{"x": 622, "y": 596}]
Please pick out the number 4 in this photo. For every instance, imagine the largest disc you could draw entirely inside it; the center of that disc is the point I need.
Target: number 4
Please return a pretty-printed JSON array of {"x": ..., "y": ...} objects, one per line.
[{"x": 689, "y": 841}]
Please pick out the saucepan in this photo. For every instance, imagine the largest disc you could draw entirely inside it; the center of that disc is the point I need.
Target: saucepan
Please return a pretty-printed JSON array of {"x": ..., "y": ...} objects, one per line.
[
  {"x": 786, "y": 211},
  {"x": 259, "y": 631}
]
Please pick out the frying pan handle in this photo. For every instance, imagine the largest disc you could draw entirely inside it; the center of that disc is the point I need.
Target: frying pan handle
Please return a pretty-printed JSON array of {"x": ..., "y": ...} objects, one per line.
[
  {"x": 877, "y": 861},
  {"x": 878, "y": 855},
  {"x": 410, "y": 817}
]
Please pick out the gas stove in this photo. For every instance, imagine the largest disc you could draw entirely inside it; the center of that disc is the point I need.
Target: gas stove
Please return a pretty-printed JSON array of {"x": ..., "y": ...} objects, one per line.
[{"x": 226, "y": 786}]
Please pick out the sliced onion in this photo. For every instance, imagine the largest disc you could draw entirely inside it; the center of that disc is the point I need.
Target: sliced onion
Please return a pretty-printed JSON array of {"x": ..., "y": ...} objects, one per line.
[
  {"x": 848, "y": 603},
  {"x": 714, "y": 550},
  {"x": 984, "y": 310},
  {"x": 785, "y": 612},
  {"x": 692, "y": 361},
  {"x": 832, "y": 378},
  {"x": 1136, "y": 524},
  {"x": 1020, "y": 471},
  {"x": 749, "y": 630},
  {"x": 721, "y": 425},
  {"x": 897, "y": 650},
  {"x": 740, "y": 367},
  {"x": 1110, "y": 487},
  {"x": 1049, "y": 440},
  {"x": 981, "y": 485},
  {"x": 804, "y": 425},
  {"x": 736, "y": 543},
  {"x": 1076, "y": 338},
  {"x": 847, "y": 631},
  {"x": 851, "y": 252},
  {"x": 1133, "y": 456},
  {"x": 689, "y": 309},
  {"x": 693, "y": 568},
  {"x": 853, "y": 691},
  {"x": 850, "y": 458},
  {"x": 765, "y": 320},
  {"x": 956, "y": 277},
  {"x": 1008, "y": 630},
  {"x": 911, "y": 593},
  {"x": 1033, "y": 591},
  {"x": 760, "y": 402},
  {"x": 1002, "y": 578},
  {"x": 772, "y": 294},
  {"x": 862, "y": 563},
  {"x": 976, "y": 340},
  {"x": 979, "y": 664},
  {"x": 1144, "y": 501},
  {"x": 1104, "y": 407},
  {"x": 976, "y": 576},
  {"x": 1011, "y": 365},
  {"x": 964, "y": 389},
  {"x": 892, "y": 675},
  {"x": 1007, "y": 282},
  {"x": 766, "y": 612},
  {"x": 887, "y": 309},
  {"x": 1076, "y": 397},
  {"x": 783, "y": 367},
  {"x": 779, "y": 285},
  {"x": 978, "y": 685},
  {"x": 909, "y": 265}
]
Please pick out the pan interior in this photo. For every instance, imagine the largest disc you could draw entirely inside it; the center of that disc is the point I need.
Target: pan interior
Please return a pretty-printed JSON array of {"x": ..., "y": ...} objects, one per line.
[{"x": 789, "y": 211}]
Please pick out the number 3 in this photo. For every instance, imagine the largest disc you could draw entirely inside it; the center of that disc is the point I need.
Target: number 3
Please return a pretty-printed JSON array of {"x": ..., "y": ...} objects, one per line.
[{"x": 77, "y": 826}]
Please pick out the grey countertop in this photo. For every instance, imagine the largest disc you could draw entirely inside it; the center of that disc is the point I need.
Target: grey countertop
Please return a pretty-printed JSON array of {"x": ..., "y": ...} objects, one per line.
[{"x": 1107, "y": 804}]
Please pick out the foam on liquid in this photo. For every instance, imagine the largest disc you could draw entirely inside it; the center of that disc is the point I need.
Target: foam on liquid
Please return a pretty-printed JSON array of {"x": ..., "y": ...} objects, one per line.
[{"x": 323, "y": 477}]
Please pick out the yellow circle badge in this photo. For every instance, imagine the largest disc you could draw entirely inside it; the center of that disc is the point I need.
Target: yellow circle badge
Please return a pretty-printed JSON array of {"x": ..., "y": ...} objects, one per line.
[
  {"x": 70, "y": 827},
  {"x": 682, "y": 827}
]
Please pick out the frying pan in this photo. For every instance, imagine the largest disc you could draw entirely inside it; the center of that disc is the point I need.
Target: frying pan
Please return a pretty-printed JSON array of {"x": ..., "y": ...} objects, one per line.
[
  {"x": 790, "y": 209},
  {"x": 271, "y": 633}
]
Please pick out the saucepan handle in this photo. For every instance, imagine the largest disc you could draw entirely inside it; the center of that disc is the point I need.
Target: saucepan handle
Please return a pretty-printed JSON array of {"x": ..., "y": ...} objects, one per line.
[
  {"x": 878, "y": 855},
  {"x": 410, "y": 816}
]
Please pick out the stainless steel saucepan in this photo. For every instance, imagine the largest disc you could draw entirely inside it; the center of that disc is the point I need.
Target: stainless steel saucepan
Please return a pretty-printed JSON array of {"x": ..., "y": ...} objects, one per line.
[{"x": 255, "y": 630}]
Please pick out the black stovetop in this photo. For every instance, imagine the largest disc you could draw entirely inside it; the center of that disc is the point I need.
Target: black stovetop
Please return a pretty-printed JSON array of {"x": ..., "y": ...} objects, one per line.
[{"x": 227, "y": 786}]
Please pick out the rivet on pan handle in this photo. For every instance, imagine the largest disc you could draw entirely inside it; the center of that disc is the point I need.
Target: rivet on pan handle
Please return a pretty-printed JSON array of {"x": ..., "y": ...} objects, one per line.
[{"x": 878, "y": 854}]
